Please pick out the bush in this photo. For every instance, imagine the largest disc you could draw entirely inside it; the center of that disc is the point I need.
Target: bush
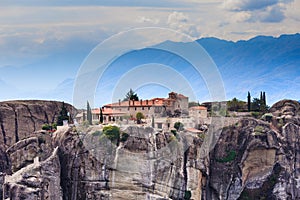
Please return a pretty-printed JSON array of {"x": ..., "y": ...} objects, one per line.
[
  {"x": 229, "y": 157},
  {"x": 46, "y": 127},
  {"x": 201, "y": 136},
  {"x": 174, "y": 132},
  {"x": 187, "y": 195},
  {"x": 112, "y": 132},
  {"x": 124, "y": 137},
  {"x": 139, "y": 116},
  {"x": 49, "y": 127},
  {"x": 255, "y": 114},
  {"x": 259, "y": 130},
  {"x": 178, "y": 126}
]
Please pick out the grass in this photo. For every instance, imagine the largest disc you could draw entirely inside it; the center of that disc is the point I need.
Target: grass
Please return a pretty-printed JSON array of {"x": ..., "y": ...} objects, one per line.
[{"x": 231, "y": 155}]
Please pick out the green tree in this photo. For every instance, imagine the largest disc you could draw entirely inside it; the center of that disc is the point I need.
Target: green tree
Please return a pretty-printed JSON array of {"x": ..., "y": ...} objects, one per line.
[
  {"x": 249, "y": 102},
  {"x": 89, "y": 113},
  {"x": 131, "y": 96},
  {"x": 139, "y": 116},
  {"x": 63, "y": 115},
  {"x": 255, "y": 105},
  {"x": 101, "y": 116},
  {"x": 112, "y": 133},
  {"x": 193, "y": 103},
  {"x": 235, "y": 105},
  {"x": 178, "y": 126}
]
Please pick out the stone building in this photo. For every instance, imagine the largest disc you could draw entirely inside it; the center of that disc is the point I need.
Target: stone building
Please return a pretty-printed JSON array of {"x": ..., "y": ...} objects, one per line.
[{"x": 174, "y": 105}]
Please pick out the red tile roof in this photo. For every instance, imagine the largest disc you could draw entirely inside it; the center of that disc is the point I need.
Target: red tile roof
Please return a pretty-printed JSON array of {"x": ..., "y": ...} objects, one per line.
[{"x": 198, "y": 108}]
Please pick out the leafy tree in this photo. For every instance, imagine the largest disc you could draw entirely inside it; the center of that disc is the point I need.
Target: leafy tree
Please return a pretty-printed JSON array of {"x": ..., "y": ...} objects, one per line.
[
  {"x": 112, "y": 133},
  {"x": 63, "y": 115},
  {"x": 193, "y": 103},
  {"x": 178, "y": 126},
  {"x": 235, "y": 105},
  {"x": 131, "y": 96},
  {"x": 255, "y": 105},
  {"x": 101, "y": 116},
  {"x": 139, "y": 116},
  {"x": 89, "y": 113}
]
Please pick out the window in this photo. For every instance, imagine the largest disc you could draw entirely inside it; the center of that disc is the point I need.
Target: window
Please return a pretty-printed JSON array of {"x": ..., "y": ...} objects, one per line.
[
  {"x": 142, "y": 108},
  {"x": 134, "y": 108}
]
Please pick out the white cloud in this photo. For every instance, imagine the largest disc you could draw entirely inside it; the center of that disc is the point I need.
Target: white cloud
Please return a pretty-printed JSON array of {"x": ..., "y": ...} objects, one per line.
[
  {"x": 246, "y": 5},
  {"x": 148, "y": 20},
  {"x": 181, "y": 22}
]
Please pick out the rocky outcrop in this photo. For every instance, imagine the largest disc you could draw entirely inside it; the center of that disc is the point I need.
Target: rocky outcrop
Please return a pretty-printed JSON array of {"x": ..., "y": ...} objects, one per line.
[
  {"x": 255, "y": 159},
  {"x": 252, "y": 159},
  {"x": 40, "y": 180},
  {"x": 146, "y": 165},
  {"x": 20, "y": 119}
]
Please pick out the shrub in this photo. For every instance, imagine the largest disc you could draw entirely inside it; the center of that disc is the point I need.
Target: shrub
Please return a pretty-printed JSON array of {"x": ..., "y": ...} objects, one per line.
[
  {"x": 258, "y": 130},
  {"x": 201, "y": 136},
  {"x": 112, "y": 132},
  {"x": 255, "y": 114},
  {"x": 187, "y": 195},
  {"x": 46, "y": 127},
  {"x": 124, "y": 137},
  {"x": 228, "y": 158},
  {"x": 178, "y": 126},
  {"x": 174, "y": 132},
  {"x": 139, "y": 116}
]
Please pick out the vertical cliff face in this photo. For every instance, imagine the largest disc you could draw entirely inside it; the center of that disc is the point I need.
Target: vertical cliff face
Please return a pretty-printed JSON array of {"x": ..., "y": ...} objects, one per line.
[
  {"x": 255, "y": 159},
  {"x": 147, "y": 165},
  {"x": 20, "y": 119},
  {"x": 252, "y": 159}
]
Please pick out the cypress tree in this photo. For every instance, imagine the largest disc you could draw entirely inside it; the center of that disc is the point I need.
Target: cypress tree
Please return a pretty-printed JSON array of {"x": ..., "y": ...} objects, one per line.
[
  {"x": 249, "y": 102},
  {"x": 153, "y": 125},
  {"x": 63, "y": 115},
  {"x": 261, "y": 96},
  {"x": 264, "y": 99},
  {"x": 101, "y": 116},
  {"x": 89, "y": 113}
]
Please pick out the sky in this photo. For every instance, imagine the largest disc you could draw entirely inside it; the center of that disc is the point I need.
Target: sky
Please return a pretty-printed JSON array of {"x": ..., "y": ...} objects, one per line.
[{"x": 44, "y": 43}]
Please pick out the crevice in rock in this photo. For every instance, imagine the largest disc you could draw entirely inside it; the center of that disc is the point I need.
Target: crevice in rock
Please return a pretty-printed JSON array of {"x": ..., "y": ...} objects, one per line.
[
  {"x": 46, "y": 117},
  {"x": 2, "y": 129},
  {"x": 16, "y": 123},
  {"x": 31, "y": 117},
  {"x": 53, "y": 117}
]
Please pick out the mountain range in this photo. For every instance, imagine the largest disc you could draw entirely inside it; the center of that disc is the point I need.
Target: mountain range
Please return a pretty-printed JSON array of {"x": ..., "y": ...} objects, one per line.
[{"x": 263, "y": 63}]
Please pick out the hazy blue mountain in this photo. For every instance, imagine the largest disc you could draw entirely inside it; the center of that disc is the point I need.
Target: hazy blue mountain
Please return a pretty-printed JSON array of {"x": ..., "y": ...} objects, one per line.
[{"x": 262, "y": 63}]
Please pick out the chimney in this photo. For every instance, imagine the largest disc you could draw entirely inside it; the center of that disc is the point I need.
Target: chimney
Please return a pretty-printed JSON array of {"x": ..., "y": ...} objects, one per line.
[
  {"x": 133, "y": 102},
  {"x": 153, "y": 102},
  {"x": 147, "y": 102},
  {"x": 129, "y": 102},
  {"x": 141, "y": 102},
  {"x": 119, "y": 102}
]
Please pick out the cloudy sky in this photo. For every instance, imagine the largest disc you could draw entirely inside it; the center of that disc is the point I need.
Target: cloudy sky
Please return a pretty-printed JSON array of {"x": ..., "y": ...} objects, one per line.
[{"x": 39, "y": 33}]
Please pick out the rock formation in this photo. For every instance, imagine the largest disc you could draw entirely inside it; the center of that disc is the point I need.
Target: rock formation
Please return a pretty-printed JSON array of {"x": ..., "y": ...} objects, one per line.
[
  {"x": 20, "y": 119},
  {"x": 252, "y": 159}
]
